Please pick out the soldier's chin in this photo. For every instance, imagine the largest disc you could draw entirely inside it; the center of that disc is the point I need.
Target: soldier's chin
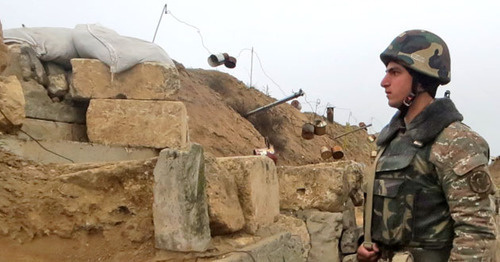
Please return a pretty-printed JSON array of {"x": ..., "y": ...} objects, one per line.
[{"x": 394, "y": 104}]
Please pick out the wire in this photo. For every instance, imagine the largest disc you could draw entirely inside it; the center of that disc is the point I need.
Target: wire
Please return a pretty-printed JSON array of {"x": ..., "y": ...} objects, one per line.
[
  {"x": 190, "y": 25},
  {"x": 241, "y": 51},
  {"x": 204, "y": 46},
  {"x": 263, "y": 71},
  {"x": 315, "y": 111},
  {"x": 309, "y": 103},
  {"x": 34, "y": 139}
]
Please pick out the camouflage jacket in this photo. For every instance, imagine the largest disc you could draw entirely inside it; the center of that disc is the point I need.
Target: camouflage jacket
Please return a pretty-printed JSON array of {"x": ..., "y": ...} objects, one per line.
[{"x": 432, "y": 187}]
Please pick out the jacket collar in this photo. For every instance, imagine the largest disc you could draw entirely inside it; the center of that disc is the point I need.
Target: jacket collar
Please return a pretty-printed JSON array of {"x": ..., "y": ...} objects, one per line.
[{"x": 425, "y": 126}]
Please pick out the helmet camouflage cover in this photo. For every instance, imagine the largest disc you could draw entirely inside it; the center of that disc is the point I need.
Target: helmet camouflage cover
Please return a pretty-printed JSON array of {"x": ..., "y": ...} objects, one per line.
[{"x": 421, "y": 51}]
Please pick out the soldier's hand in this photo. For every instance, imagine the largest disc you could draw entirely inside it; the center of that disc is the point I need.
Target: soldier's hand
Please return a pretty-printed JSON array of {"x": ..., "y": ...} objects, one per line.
[{"x": 368, "y": 254}]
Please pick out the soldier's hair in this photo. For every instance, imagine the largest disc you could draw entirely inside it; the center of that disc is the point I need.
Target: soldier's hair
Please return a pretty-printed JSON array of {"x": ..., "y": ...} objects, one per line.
[{"x": 430, "y": 84}]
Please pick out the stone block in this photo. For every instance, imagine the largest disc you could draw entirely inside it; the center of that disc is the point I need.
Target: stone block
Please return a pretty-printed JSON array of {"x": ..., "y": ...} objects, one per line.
[
  {"x": 349, "y": 240},
  {"x": 324, "y": 186},
  {"x": 180, "y": 212},
  {"x": 258, "y": 189},
  {"x": 157, "y": 124},
  {"x": 224, "y": 209},
  {"x": 93, "y": 79},
  {"x": 40, "y": 106},
  {"x": 11, "y": 104},
  {"x": 325, "y": 229},
  {"x": 58, "y": 86},
  {"x": 278, "y": 247},
  {"x": 297, "y": 227},
  {"x": 53, "y": 131},
  {"x": 25, "y": 64},
  {"x": 71, "y": 151}
]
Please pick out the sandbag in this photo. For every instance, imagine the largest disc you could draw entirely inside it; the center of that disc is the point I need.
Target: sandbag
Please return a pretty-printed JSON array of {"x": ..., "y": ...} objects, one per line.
[
  {"x": 50, "y": 43},
  {"x": 118, "y": 52}
]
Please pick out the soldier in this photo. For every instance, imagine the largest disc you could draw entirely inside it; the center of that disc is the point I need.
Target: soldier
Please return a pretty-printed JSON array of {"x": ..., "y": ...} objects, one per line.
[{"x": 432, "y": 191}]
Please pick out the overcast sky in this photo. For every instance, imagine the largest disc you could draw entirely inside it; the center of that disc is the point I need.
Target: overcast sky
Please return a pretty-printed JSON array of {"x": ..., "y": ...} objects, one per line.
[{"x": 329, "y": 49}]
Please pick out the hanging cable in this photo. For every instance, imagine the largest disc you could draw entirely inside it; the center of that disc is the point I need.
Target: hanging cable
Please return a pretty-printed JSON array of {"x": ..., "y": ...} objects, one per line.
[
  {"x": 264, "y": 72},
  {"x": 190, "y": 25}
]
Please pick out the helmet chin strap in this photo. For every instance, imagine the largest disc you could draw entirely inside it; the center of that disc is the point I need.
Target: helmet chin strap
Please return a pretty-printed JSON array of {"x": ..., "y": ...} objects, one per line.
[
  {"x": 406, "y": 103},
  {"x": 409, "y": 99},
  {"x": 416, "y": 89}
]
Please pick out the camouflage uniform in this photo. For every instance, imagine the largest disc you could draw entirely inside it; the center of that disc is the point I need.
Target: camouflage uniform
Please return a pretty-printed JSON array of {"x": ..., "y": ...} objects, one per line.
[
  {"x": 432, "y": 191},
  {"x": 432, "y": 188}
]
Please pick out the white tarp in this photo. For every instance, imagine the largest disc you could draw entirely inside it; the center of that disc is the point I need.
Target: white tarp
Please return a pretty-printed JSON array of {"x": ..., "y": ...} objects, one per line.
[{"x": 60, "y": 45}]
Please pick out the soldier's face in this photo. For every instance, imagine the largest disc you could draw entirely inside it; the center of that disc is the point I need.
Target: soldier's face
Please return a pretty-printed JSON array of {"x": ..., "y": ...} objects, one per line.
[{"x": 397, "y": 84}]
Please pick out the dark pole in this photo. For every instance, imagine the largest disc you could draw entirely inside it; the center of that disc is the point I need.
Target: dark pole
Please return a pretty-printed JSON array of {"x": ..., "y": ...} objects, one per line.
[
  {"x": 300, "y": 93},
  {"x": 352, "y": 131},
  {"x": 164, "y": 10}
]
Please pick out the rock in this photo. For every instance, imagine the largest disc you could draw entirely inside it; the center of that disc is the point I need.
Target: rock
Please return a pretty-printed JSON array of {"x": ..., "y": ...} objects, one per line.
[
  {"x": 349, "y": 215},
  {"x": 34, "y": 65},
  {"x": 25, "y": 64},
  {"x": 40, "y": 106},
  {"x": 53, "y": 131},
  {"x": 278, "y": 247},
  {"x": 180, "y": 212},
  {"x": 14, "y": 65},
  {"x": 157, "y": 124},
  {"x": 71, "y": 151},
  {"x": 12, "y": 104},
  {"x": 258, "y": 189},
  {"x": 224, "y": 209},
  {"x": 350, "y": 258},
  {"x": 297, "y": 227},
  {"x": 324, "y": 186},
  {"x": 58, "y": 84},
  {"x": 4, "y": 53},
  {"x": 349, "y": 240},
  {"x": 93, "y": 79}
]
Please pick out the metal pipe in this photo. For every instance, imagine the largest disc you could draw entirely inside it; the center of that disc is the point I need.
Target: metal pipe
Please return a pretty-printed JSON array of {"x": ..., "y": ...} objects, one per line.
[
  {"x": 295, "y": 95},
  {"x": 352, "y": 131}
]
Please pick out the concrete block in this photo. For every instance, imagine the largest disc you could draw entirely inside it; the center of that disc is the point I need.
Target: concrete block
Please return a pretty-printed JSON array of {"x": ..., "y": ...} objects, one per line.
[
  {"x": 258, "y": 189},
  {"x": 40, "y": 106},
  {"x": 11, "y": 104},
  {"x": 53, "y": 131},
  {"x": 324, "y": 186},
  {"x": 279, "y": 247},
  {"x": 180, "y": 212},
  {"x": 149, "y": 80},
  {"x": 67, "y": 151},
  {"x": 157, "y": 124},
  {"x": 224, "y": 209}
]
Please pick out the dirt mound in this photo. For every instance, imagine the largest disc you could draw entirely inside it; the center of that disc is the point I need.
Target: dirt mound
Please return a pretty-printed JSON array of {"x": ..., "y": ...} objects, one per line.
[{"x": 216, "y": 101}]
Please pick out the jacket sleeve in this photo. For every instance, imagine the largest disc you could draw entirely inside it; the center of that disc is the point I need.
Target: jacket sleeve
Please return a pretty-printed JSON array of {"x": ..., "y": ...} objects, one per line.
[{"x": 461, "y": 159}]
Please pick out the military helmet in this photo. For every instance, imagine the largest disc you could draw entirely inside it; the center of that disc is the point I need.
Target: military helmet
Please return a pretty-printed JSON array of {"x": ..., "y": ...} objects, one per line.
[{"x": 421, "y": 51}]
